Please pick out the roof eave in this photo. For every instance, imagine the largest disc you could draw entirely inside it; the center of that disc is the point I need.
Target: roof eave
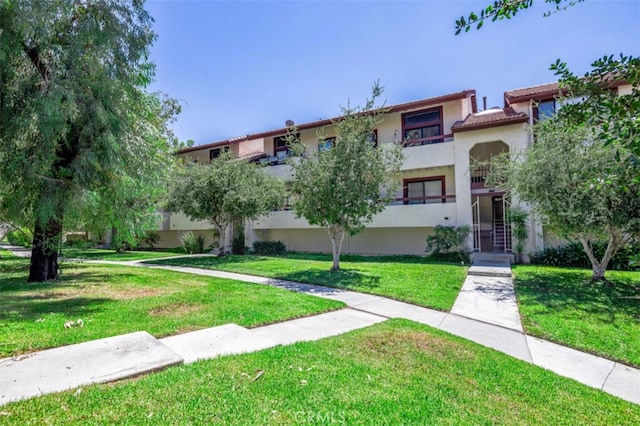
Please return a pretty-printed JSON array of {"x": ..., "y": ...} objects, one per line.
[{"x": 488, "y": 125}]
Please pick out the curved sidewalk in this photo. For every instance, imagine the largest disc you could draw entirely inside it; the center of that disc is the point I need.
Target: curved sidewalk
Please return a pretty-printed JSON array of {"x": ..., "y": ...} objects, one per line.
[
  {"x": 63, "y": 368},
  {"x": 609, "y": 376}
]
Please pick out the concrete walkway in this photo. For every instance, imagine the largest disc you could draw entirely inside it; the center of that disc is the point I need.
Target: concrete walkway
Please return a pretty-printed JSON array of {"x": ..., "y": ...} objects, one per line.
[{"x": 485, "y": 313}]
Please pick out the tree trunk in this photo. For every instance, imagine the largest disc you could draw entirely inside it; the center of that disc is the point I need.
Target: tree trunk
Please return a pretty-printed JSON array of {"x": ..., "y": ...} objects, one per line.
[
  {"x": 44, "y": 254},
  {"x": 222, "y": 236},
  {"x": 337, "y": 236},
  {"x": 599, "y": 268}
]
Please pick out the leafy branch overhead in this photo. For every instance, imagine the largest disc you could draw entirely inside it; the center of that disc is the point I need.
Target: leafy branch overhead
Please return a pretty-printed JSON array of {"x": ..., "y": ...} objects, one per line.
[{"x": 505, "y": 9}]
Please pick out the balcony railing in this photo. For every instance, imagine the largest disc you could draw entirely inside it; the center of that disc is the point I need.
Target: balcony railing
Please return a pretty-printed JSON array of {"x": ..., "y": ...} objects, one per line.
[
  {"x": 478, "y": 176},
  {"x": 431, "y": 199},
  {"x": 428, "y": 141}
]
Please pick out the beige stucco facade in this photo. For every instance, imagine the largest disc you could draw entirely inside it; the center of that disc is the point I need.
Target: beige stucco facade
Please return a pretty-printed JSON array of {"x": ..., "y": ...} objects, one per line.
[{"x": 402, "y": 227}]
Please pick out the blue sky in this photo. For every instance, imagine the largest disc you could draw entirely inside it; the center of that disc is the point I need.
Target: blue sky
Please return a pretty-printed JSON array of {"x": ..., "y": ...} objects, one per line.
[{"x": 248, "y": 66}]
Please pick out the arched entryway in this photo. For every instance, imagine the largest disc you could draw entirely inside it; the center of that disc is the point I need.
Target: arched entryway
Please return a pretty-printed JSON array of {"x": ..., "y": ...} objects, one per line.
[{"x": 490, "y": 206}]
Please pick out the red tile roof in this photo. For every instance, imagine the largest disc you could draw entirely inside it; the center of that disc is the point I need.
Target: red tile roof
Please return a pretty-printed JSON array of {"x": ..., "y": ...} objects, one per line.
[
  {"x": 490, "y": 118},
  {"x": 470, "y": 93},
  {"x": 539, "y": 92}
]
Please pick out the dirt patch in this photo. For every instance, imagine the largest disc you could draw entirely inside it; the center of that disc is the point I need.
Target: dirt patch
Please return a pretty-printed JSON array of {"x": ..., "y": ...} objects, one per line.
[
  {"x": 396, "y": 343},
  {"x": 94, "y": 291},
  {"x": 131, "y": 293},
  {"x": 175, "y": 309}
]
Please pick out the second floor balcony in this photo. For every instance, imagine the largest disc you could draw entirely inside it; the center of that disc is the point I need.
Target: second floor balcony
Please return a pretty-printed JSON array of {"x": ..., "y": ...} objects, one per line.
[{"x": 423, "y": 212}]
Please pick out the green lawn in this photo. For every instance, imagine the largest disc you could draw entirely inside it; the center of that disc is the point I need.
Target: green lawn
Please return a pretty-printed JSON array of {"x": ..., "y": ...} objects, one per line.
[
  {"x": 393, "y": 373},
  {"x": 406, "y": 278},
  {"x": 114, "y": 300},
  {"x": 562, "y": 305},
  {"x": 105, "y": 254}
]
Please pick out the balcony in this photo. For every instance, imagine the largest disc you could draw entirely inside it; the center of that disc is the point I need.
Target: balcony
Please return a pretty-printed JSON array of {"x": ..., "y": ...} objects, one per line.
[
  {"x": 420, "y": 156},
  {"x": 431, "y": 140},
  {"x": 478, "y": 177},
  {"x": 438, "y": 210},
  {"x": 180, "y": 222}
]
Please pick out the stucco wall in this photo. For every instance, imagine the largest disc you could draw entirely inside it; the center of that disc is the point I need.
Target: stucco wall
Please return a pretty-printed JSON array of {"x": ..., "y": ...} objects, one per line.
[
  {"x": 171, "y": 239},
  {"x": 370, "y": 241}
]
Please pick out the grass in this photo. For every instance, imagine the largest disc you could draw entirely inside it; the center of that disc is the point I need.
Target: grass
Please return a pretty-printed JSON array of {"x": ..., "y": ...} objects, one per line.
[
  {"x": 563, "y": 305},
  {"x": 397, "y": 372},
  {"x": 105, "y": 254},
  {"x": 114, "y": 300},
  {"x": 406, "y": 278}
]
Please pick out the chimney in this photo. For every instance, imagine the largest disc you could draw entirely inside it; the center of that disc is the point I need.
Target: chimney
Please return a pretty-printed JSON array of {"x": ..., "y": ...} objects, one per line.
[{"x": 484, "y": 103}]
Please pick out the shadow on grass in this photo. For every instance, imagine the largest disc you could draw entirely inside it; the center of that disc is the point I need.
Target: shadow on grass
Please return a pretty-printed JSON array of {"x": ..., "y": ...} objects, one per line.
[
  {"x": 572, "y": 290},
  {"x": 28, "y": 308},
  {"x": 207, "y": 262},
  {"x": 343, "y": 278}
]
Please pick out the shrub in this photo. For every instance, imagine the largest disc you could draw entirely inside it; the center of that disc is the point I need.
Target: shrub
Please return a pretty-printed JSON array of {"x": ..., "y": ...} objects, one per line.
[
  {"x": 192, "y": 243},
  {"x": 518, "y": 220},
  {"x": 20, "y": 237},
  {"x": 269, "y": 248},
  {"x": 572, "y": 254},
  {"x": 449, "y": 257},
  {"x": 237, "y": 245},
  {"x": 449, "y": 240},
  {"x": 150, "y": 239}
]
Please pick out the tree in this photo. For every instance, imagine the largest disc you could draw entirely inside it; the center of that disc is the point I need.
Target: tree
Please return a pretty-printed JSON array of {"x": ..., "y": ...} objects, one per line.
[
  {"x": 578, "y": 184},
  {"x": 225, "y": 191},
  {"x": 77, "y": 130},
  {"x": 505, "y": 9},
  {"x": 343, "y": 187},
  {"x": 616, "y": 115}
]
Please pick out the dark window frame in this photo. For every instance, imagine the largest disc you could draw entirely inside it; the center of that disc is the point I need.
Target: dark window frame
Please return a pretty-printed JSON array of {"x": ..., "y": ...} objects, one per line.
[
  {"x": 373, "y": 137},
  {"x": 432, "y": 123},
  {"x": 321, "y": 145},
  {"x": 218, "y": 151},
  {"x": 536, "y": 111},
  {"x": 405, "y": 188}
]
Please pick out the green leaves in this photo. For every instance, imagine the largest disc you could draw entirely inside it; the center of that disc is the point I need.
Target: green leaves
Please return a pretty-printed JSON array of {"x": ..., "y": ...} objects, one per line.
[
  {"x": 79, "y": 137},
  {"x": 505, "y": 9},
  {"x": 224, "y": 191},
  {"x": 342, "y": 188}
]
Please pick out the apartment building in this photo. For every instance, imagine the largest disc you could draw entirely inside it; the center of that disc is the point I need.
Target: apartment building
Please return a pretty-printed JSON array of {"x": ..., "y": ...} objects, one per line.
[{"x": 442, "y": 136}]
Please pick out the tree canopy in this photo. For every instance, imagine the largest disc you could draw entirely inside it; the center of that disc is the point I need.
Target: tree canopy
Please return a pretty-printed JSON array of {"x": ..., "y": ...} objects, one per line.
[
  {"x": 578, "y": 184},
  {"x": 78, "y": 132},
  {"x": 224, "y": 192},
  {"x": 505, "y": 9},
  {"x": 341, "y": 188}
]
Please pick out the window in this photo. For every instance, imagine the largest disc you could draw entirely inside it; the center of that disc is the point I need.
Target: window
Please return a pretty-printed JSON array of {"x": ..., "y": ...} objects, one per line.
[
  {"x": 418, "y": 191},
  {"x": 422, "y": 127},
  {"x": 281, "y": 149},
  {"x": 373, "y": 137},
  {"x": 280, "y": 144},
  {"x": 545, "y": 109},
  {"x": 326, "y": 144},
  {"x": 216, "y": 152}
]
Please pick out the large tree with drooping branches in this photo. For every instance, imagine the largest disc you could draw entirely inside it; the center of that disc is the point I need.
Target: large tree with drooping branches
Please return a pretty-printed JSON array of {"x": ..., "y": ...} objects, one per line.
[{"x": 78, "y": 131}]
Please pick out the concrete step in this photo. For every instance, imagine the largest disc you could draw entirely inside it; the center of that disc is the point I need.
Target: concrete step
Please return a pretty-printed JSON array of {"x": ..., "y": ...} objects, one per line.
[
  {"x": 67, "y": 367},
  {"x": 490, "y": 271},
  {"x": 487, "y": 259}
]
